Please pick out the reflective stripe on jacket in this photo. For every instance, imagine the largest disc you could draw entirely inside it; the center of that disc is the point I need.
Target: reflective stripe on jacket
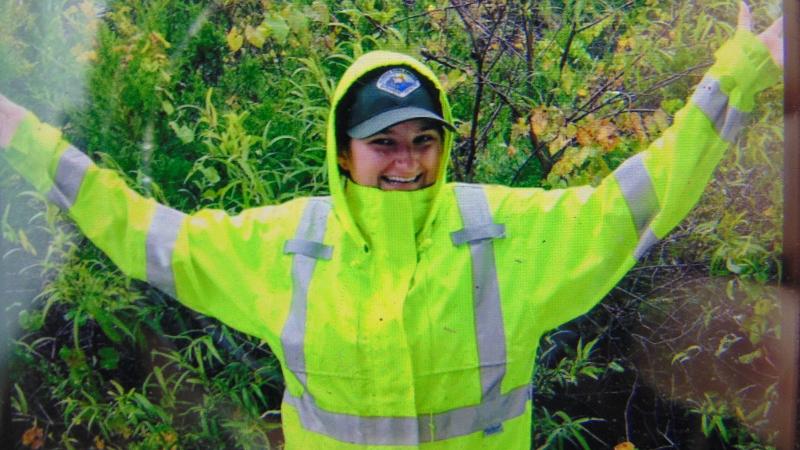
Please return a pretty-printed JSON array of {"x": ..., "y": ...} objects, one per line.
[{"x": 392, "y": 337}]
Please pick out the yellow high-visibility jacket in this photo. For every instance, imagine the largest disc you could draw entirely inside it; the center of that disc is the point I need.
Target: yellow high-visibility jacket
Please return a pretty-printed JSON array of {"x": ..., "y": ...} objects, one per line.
[{"x": 408, "y": 319}]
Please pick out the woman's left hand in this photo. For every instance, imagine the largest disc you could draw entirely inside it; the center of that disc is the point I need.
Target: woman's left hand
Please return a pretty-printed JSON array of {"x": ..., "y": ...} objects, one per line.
[
  {"x": 772, "y": 37},
  {"x": 11, "y": 115}
]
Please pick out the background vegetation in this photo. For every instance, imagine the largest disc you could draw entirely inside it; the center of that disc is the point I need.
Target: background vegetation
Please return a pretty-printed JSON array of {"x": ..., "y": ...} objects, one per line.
[{"x": 222, "y": 103}]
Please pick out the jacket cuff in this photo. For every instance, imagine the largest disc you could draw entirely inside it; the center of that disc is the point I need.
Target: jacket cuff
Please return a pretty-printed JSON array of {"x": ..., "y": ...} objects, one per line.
[
  {"x": 744, "y": 68},
  {"x": 34, "y": 150}
]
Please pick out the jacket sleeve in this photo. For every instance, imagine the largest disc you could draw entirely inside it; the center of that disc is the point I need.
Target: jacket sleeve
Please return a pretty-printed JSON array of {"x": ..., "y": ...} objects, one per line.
[
  {"x": 146, "y": 240},
  {"x": 587, "y": 238}
]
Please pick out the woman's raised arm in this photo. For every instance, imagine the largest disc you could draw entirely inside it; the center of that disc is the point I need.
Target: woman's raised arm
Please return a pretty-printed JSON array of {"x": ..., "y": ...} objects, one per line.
[
  {"x": 595, "y": 235},
  {"x": 197, "y": 258}
]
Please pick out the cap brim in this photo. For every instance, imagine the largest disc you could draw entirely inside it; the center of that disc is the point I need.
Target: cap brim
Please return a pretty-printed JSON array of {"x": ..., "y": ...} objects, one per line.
[{"x": 387, "y": 119}]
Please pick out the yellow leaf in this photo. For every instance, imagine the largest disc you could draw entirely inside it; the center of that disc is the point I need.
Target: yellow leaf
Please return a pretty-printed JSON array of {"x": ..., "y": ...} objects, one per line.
[
  {"x": 169, "y": 436},
  {"x": 436, "y": 14},
  {"x": 90, "y": 55},
  {"x": 584, "y": 136},
  {"x": 452, "y": 79},
  {"x": 26, "y": 244},
  {"x": 661, "y": 119},
  {"x": 539, "y": 120},
  {"x": 87, "y": 8},
  {"x": 567, "y": 78},
  {"x": 606, "y": 134},
  {"x": 557, "y": 144},
  {"x": 512, "y": 151},
  {"x": 234, "y": 39},
  {"x": 625, "y": 446},
  {"x": 656, "y": 122},
  {"x": 632, "y": 123},
  {"x": 624, "y": 44},
  {"x": 464, "y": 129},
  {"x": 569, "y": 130},
  {"x": 255, "y": 36},
  {"x": 601, "y": 131},
  {"x": 564, "y": 166},
  {"x": 320, "y": 12},
  {"x": 519, "y": 129},
  {"x": 157, "y": 39},
  {"x": 33, "y": 437}
]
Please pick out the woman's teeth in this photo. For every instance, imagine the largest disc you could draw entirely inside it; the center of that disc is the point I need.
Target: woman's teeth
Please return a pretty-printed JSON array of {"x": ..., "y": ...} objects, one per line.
[{"x": 401, "y": 179}]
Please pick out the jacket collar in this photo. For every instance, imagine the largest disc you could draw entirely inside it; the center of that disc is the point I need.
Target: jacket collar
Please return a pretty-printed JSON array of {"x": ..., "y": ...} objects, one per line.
[{"x": 353, "y": 223}]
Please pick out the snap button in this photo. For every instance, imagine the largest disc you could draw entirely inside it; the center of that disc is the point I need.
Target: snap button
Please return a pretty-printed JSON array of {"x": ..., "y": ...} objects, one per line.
[{"x": 425, "y": 244}]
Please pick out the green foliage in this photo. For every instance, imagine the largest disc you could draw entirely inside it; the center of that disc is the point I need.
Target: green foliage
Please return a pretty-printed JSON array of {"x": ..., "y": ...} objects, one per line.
[
  {"x": 561, "y": 431},
  {"x": 222, "y": 104}
]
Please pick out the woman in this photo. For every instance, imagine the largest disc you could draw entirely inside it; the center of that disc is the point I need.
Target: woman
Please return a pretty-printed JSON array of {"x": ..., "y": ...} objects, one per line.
[{"x": 405, "y": 311}]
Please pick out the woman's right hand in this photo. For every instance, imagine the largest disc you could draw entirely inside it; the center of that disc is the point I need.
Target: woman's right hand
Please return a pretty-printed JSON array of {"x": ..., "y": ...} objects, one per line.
[
  {"x": 772, "y": 37},
  {"x": 11, "y": 115}
]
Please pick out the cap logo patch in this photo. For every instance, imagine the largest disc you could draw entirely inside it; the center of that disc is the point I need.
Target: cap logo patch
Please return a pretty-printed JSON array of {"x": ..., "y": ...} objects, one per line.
[{"x": 398, "y": 82}]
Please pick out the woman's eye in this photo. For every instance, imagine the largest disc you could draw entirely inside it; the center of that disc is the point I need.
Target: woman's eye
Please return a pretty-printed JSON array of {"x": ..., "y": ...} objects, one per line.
[
  {"x": 382, "y": 142},
  {"x": 424, "y": 139}
]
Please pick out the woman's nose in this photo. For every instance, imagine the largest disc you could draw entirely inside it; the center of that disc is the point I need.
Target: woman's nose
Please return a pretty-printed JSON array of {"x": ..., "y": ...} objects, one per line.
[{"x": 404, "y": 155}]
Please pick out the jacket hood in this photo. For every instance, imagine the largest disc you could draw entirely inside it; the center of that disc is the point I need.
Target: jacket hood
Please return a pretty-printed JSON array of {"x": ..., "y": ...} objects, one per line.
[{"x": 342, "y": 208}]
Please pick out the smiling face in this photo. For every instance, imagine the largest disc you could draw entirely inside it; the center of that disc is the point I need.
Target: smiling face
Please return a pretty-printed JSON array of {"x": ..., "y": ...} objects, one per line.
[{"x": 404, "y": 157}]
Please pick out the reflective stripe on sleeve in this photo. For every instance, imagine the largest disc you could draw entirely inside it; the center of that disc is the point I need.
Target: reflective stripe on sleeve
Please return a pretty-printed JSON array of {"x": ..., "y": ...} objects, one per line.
[
  {"x": 409, "y": 430},
  {"x": 72, "y": 166},
  {"x": 308, "y": 248},
  {"x": 160, "y": 246},
  {"x": 727, "y": 120},
  {"x": 637, "y": 188},
  {"x": 310, "y": 231},
  {"x": 490, "y": 331},
  {"x": 734, "y": 122},
  {"x": 646, "y": 240}
]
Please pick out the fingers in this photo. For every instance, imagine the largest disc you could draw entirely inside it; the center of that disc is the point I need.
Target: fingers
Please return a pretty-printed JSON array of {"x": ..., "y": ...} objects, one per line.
[
  {"x": 745, "y": 21},
  {"x": 776, "y": 29},
  {"x": 11, "y": 115},
  {"x": 772, "y": 37}
]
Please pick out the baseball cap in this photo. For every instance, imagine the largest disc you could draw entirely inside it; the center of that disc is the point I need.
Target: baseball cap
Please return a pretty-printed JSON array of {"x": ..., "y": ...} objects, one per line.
[{"x": 388, "y": 97}]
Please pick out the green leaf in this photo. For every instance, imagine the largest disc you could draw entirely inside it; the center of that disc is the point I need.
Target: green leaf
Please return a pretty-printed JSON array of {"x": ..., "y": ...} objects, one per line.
[
  {"x": 750, "y": 357},
  {"x": 726, "y": 342},
  {"x": 277, "y": 27},
  {"x": 104, "y": 319},
  {"x": 109, "y": 358},
  {"x": 320, "y": 12},
  {"x": 184, "y": 133},
  {"x": 211, "y": 174},
  {"x": 686, "y": 354},
  {"x": 297, "y": 21},
  {"x": 256, "y": 36},
  {"x": 167, "y": 107},
  {"x": 616, "y": 367},
  {"x": 31, "y": 320},
  {"x": 26, "y": 244}
]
